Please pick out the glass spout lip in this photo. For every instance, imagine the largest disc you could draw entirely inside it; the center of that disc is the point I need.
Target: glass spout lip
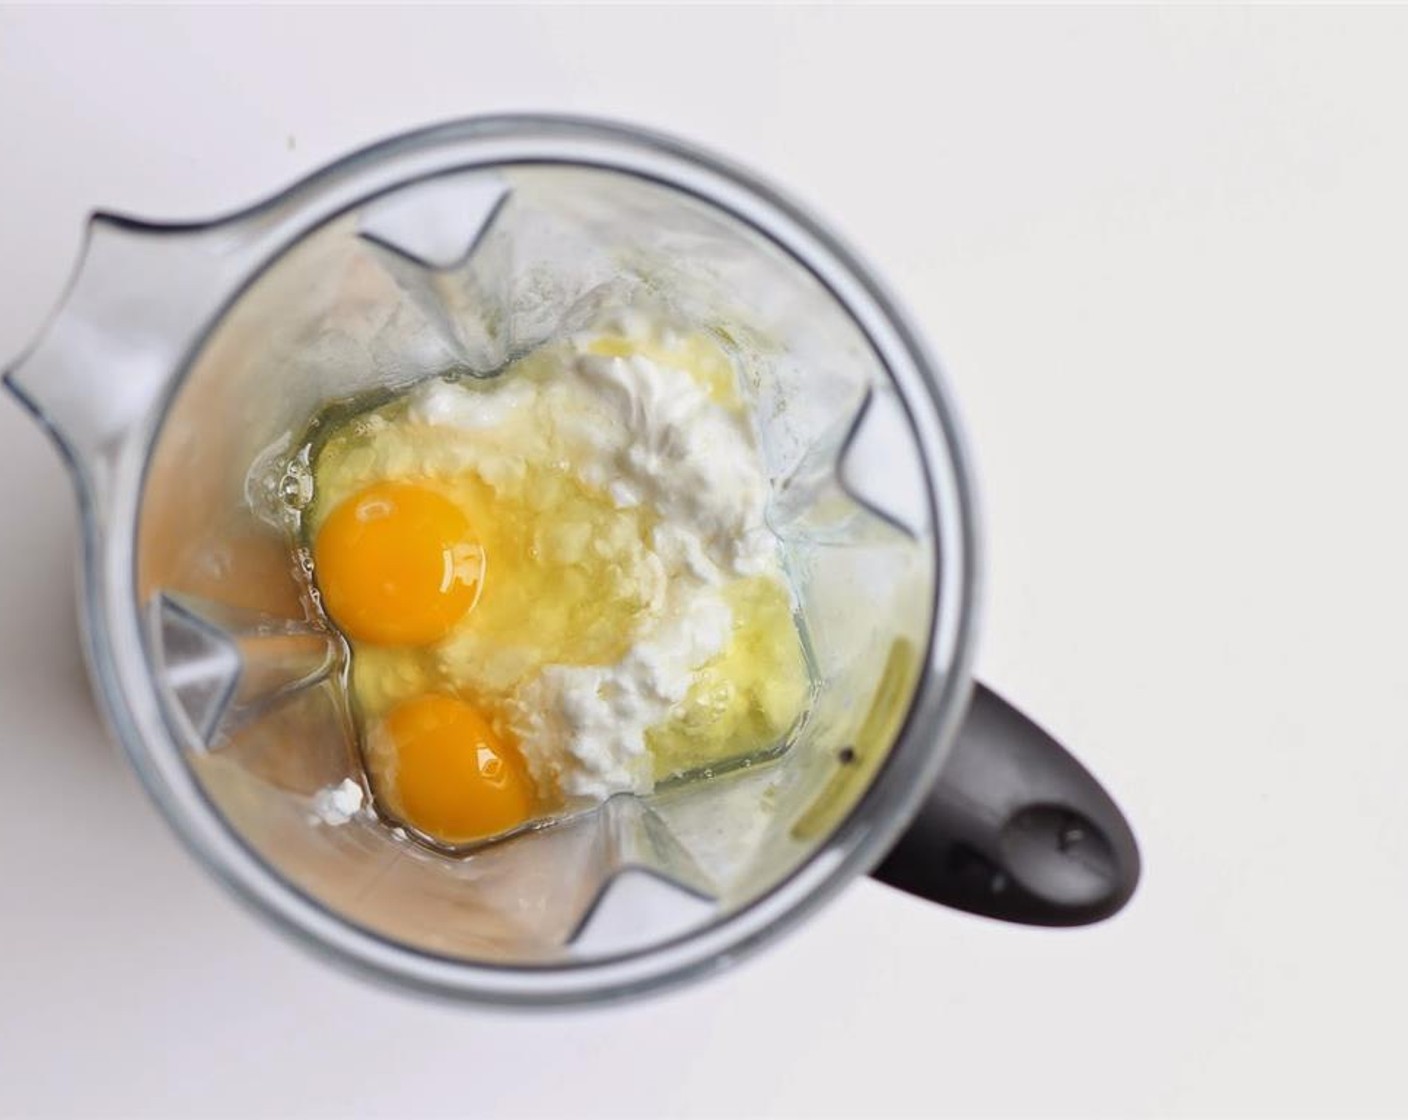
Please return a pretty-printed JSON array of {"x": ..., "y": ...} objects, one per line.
[
  {"x": 10, "y": 377},
  {"x": 76, "y": 467},
  {"x": 30, "y": 397},
  {"x": 22, "y": 398},
  {"x": 857, "y": 844}
]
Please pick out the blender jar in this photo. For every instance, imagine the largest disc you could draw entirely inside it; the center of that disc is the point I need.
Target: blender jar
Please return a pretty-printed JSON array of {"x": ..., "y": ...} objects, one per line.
[{"x": 178, "y": 378}]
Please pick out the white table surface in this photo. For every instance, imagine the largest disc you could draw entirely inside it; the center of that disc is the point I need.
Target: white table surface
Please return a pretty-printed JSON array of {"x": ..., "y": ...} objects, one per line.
[{"x": 1164, "y": 255}]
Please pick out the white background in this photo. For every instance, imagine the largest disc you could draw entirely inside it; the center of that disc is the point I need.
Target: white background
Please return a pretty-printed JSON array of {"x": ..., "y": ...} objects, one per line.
[{"x": 1164, "y": 255}]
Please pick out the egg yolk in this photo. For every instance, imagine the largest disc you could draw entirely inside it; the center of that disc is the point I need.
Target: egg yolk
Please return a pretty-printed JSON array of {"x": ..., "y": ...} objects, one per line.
[
  {"x": 397, "y": 565},
  {"x": 451, "y": 776}
]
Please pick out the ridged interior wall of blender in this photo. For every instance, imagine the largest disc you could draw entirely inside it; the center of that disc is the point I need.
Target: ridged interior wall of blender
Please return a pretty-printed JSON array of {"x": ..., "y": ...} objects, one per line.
[{"x": 359, "y": 306}]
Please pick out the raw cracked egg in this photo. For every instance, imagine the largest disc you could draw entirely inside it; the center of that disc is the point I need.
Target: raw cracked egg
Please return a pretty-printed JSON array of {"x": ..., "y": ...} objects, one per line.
[
  {"x": 556, "y": 584},
  {"x": 397, "y": 565},
  {"x": 444, "y": 770}
]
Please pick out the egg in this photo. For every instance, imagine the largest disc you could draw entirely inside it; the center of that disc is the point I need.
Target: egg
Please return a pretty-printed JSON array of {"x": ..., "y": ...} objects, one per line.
[
  {"x": 397, "y": 565},
  {"x": 442, "y": 769}
]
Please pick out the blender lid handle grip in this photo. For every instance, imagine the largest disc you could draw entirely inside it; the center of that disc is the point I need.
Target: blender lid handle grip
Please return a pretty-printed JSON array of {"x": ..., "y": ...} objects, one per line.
[{"x": 1016, "y": 829}]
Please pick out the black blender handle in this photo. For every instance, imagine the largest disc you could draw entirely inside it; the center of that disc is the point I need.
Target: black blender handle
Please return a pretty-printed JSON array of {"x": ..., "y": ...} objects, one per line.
[{"x": 1015, "y": 828}]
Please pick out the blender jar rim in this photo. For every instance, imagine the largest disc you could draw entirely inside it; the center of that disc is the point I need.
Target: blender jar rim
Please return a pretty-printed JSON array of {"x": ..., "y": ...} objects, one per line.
[{"x": 110, "y": 494}]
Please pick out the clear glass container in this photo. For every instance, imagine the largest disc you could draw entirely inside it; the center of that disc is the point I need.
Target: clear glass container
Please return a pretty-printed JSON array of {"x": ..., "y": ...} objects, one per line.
[{"x": 186, "y": 360}]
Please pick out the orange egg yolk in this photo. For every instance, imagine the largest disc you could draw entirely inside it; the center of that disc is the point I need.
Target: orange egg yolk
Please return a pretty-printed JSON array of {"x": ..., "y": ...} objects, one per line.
[
  {"x": 452, "y": 777},
  {"x": 397, "y": 565}
]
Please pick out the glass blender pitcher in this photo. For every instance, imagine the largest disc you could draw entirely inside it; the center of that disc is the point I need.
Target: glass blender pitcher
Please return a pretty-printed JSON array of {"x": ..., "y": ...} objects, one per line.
[{"x": 186, "y": 359}]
